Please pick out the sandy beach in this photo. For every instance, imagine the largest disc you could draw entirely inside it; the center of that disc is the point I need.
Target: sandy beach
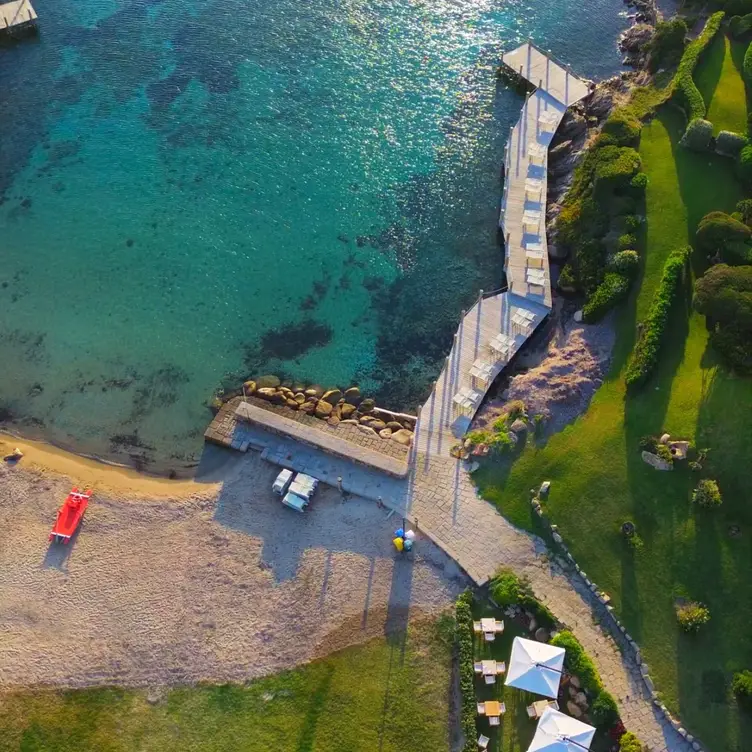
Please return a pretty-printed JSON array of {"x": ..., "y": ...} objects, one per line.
[{"x": 172, "y": 582}]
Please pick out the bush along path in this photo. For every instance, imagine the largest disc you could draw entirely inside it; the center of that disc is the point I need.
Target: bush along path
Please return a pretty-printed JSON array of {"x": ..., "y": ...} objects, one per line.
[
  {"x": 584, "y": 691},
  {"x": 449, "y": 510}
]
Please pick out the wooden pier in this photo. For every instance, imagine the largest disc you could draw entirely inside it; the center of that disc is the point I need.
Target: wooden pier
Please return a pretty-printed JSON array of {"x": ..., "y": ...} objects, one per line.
[
  {"x": 492, "y": 331},
  {"x": 17, "y": 16}
]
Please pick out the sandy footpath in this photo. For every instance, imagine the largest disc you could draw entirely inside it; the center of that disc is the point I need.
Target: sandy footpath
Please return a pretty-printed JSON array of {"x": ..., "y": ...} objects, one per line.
[{"x": 217, "y": 581}]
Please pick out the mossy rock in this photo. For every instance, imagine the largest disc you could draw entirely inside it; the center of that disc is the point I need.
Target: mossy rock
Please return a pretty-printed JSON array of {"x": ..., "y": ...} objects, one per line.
[
  {"x": 332, "y": 396},
  {"x": 353, "y": 396},
  {"x": 367, "y": 405},
  {"x": 268, "y": 382}
]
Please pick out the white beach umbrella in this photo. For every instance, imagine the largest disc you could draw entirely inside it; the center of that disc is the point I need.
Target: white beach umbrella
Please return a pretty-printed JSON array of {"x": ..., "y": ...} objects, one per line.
[
  {"x": 535, "y": 666},
  {"x": 557, "y": 732}
]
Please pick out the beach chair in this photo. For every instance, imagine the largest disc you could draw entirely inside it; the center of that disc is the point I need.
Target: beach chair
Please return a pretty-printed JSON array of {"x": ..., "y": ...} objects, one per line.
[
  {"x": 481, "y": 708},
  {"x": 489, "y": 636},
  {"x": 489, "y": 678},
  {"x": 476, "y": 627},
  {"x": 501, "y": 667},
  {"x": 494, "y": 720},
  {"x": 483, "y": 742},
  {"x": 478, "y": 668}
]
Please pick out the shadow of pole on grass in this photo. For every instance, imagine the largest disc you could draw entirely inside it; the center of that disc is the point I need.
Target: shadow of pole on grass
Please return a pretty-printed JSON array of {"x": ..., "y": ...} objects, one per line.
[{"x": 315, "y": 708}]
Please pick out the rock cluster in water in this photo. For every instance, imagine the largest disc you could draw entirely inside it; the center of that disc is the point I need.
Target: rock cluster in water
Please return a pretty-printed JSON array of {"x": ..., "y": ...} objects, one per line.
[{"x": 335, "y": 406}]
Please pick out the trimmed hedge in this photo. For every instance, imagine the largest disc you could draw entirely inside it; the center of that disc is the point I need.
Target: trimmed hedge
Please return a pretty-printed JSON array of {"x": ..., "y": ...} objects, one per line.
[
  {"x": 603, "y": 709},
  {"x": 613, "y": 289},
  {"x": 744, "y": 165},
  {"x": 644, "y": 357},
  {"x": 698, "y": 135},
  {"x": 730, "y": 144},
  {"x": 464, "y": 616},
  {"x": 747, "y": 66},
  {"x": 623, "y": 127},
  {"x": 684, "y": 88},
  {"x": 616, "y": 166},
  {"x": 625, "y": 263},
  {"x": 739, "y": 26},
  {"x": 721, "y": 233}
]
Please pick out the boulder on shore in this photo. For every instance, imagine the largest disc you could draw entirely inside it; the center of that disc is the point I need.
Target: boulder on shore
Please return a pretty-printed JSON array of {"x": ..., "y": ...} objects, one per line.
[
  {"x": 367, "y": 405},
  {"x": 352, "y": 396},
  {"x": 403, "y": 437},
  {"x": 314, "y": 391},
  {"x": 323, "y": 409},
  {"x": 249, "y": 387},
  {"x": 347, "y": 410},
  {"x": 377, "y": 425},
  {"x": 332, "y": 396}
]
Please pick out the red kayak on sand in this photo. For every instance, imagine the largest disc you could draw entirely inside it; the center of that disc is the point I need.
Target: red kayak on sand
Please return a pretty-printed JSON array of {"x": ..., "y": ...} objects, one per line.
[{"x": 69, "y": 515}]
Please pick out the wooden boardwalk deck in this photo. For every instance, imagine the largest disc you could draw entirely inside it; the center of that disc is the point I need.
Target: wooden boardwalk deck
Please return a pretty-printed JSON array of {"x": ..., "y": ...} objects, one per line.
[
  {"x": 498, "y": 325},
  {"x": 16, "y": 14}
]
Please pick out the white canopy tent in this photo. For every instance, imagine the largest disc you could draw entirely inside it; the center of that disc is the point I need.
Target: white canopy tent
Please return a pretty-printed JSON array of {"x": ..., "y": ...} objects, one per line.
[
  {"x": 535, "y": 667},
  {"x": 557, "y": 732}
]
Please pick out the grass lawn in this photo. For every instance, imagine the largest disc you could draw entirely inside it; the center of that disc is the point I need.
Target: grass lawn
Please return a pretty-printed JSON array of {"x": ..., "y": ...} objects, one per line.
[
  {"x": 384, "y": 695},
  {"x": 719, "y": 80},
  {"x": 599, "y": 480}
]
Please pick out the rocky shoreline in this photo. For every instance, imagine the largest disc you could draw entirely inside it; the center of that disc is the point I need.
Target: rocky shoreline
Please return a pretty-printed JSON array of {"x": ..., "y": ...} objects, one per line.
[{"x": 334, "y": 406}]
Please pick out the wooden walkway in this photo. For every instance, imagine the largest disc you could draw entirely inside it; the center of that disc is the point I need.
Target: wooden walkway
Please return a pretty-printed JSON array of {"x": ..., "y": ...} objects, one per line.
[
  {"x": 499, "y": 324},
  {"x": 16, "y": 14}
]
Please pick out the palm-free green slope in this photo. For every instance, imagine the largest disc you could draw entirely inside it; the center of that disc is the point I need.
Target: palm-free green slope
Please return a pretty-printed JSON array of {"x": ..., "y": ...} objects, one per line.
[
  {"x": 720, "y": 82},
  {"x": 375, "y": 697},
  {"x": 599, "y": 480}
]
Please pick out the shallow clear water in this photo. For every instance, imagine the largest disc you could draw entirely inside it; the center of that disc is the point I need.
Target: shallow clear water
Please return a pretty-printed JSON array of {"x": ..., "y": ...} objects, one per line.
[{"x": 195, "y": 192}]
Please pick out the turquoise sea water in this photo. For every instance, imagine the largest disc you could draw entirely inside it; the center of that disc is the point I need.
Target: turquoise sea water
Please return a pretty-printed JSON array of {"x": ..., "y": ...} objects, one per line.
[{"x": 198, "y": 191}]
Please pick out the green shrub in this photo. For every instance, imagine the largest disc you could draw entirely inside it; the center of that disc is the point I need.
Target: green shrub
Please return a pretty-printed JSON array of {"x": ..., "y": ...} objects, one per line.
[
  {"x": 623, "y": 127},
  {"x": 667, "y": 43},
  {"x": 616, "y": 166},
  {"x": 691, "y": 615},
  {"x": 698, "y": 135},
  {"x": 664, "y": 453},
  {"x": 744, "y": 165},
  {"x": 639, "y": 182},
  {"x": 625, "y": 263},
  {"x": 741, "y": 685},
  {"x": 464, "y": 618},
  {"x": 629, "y": 743},
  {"x": 644, "y": 357},
  {"x": 683, "y": 86},
  {"x": 747, "y": 65},
  {"x": 567, "y": 279},
  {"x": 707, "y": 494},
  {"x": 740, "y": 26},
  {"x": 730, "y": 144},
  {"x": 603, "y": 708},
  {"x": 613, "y": 289},
  {"x": 626, "y": 242},
  {"x": 604, "y": 711},
  {"x": 735, "y": 348},
  {"x": 632, "y": 222},
  {"x": 724, "y": 296},
  {"x": 744, "y": 208},
  {"x": 577, "y": 662},
  {"x": 508, "y": 589},
  {"x": 720, "y": 233}
]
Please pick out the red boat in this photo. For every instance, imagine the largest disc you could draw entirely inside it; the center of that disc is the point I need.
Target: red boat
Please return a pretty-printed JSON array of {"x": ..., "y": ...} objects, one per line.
[{"x": 69, "y": 515}]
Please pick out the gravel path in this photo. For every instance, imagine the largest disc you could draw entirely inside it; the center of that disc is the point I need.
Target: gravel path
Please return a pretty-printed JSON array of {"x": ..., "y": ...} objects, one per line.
[{"x": 222, "y": 585}]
